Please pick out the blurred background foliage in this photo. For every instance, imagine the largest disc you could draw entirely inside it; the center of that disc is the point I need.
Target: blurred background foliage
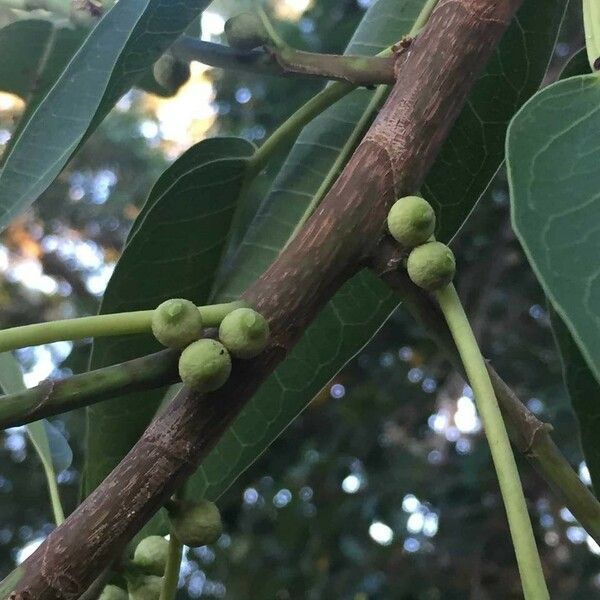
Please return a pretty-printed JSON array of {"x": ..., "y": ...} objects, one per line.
[{"x": 383, "y": 487}]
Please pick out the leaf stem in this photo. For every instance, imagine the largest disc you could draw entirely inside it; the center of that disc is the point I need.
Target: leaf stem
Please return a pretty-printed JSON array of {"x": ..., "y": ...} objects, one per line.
[
  {"x": 530, "y": 568},
  {"x": 55, "y": 502},
  {"x": 171, "y": 577},
  {"x": 289, "y": 130},
  {"x": 98, "y": 326}
]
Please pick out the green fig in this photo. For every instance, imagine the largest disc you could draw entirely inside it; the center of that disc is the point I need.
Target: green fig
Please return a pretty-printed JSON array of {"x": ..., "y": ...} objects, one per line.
[
  {"x": 196, "y": 523},
  {"x": 170, "y": 72},
  {"x": 205, "y": 365},
  {"x": 176, "y": 323},
  {"x": 113, "y": 592},
  {"x": 431, "y": 266},
  {"x": 411, "y": 221},
  {"x": 151, "y": 554},
  {"x": 246, "y": 32},
  {"x": 244, "y": 332}
]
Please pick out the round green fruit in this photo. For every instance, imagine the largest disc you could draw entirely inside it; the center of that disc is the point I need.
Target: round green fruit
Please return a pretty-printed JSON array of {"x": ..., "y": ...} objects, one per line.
[
  {"x": 151, "y": 555},
  {"x": 176, "y": 323},
  {"x": 205, "y": 365},
  {"x": 431, "y": 266},
  {"x": 246, "y": 32},
  {"x": 171, "y": 73},
  {"x": 144, "y": 588},
  {"x": 244, "y": 332},
  {"x": 113, "y": 592},
  {"x": 411, "y": 221},
  {"x": 196, "y": 523}
]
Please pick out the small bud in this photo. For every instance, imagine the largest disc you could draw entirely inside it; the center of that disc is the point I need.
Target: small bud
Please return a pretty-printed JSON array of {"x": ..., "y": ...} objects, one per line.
[
  {"x": 205, "y": 365},
  {"x": 170, "y": 72},
  {"x": 196, "y": 523},
  {"x": 112, "y": 592},
  {"x": 144, "y": 588},
  {"x": 176, "y": 323},
  {"x": 151, "y": 555},
  {"x": 246, "y": 31},
  {"x": 411, "y": 221},
  {"x": 244, "y": 332},
  {"x": 431, "y": 266}
]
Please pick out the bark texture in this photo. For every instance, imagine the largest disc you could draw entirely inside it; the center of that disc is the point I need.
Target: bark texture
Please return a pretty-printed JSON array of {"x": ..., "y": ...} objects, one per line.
[{"x": 435, "y": 76}]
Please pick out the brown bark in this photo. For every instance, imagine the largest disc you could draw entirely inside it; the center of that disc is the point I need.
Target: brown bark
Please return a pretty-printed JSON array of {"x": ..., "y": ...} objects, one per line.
[{"x": 436, "y": 74}]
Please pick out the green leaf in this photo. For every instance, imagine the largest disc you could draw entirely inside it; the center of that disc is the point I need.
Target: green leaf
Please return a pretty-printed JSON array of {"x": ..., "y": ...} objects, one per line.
[
  {"x": 467, "y": 163},
  {"x": 584, "y": 391},
  {"x": 115, "y": 55},
  {"x": 552, "y": 159},
  {"x": 174, "y": 251},
  {"x": 52, "y": 447}
]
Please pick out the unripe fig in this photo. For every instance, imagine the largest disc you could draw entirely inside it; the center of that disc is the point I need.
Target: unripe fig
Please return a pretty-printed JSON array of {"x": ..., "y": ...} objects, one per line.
[
  {"x": 205, "y": 365},
  {"x": 244, "y": 332},
  {"x": 144, "y": 588},
  {"x": 113, "y": 592},
  {"x": 246, "y": 31},
  {"x": 151, "y": 555},
  {"x": 176, "y": 323},
  {"x": 411, "y": 221},
  {"x": 431, "y": 266},
  {"x": 196, "y": 523},
  {"x": 170, "y": 72}
]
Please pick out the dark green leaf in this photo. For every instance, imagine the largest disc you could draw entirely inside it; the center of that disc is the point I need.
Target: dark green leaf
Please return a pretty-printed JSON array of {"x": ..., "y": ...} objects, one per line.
[
  {"x": 116, "y": 54},
  {"x": 468, "y": 161},
  {"x": 174, "y": 251},
  {"x": 552, "y": 158},
  {"x": 584, "y": 391}
]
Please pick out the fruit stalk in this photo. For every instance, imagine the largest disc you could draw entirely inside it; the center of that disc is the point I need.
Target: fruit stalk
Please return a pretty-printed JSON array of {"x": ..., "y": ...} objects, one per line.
[
  {"x": 530, "y": 567},
  {"x": 99, "y": 326}
]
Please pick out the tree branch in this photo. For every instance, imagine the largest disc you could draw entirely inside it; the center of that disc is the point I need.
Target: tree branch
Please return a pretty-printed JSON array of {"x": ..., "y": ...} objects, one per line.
[
  {"x": 437, "y": 73},
  {"x": 288, "y": 62},
  {"x": 529, "y": 435}
]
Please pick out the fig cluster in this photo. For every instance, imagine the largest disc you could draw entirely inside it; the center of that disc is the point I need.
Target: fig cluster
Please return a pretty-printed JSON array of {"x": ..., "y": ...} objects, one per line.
[
  {"x": 430, "y": 264},
  {"x": 205, "y": 363}
]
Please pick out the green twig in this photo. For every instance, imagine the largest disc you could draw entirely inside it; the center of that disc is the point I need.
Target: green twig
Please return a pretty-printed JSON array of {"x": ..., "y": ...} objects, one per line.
[
  {"x": 55, "y": 397},
  {"x": 530, "y": 568},
  {"x": 171, "y": 577},
  {"x": 98, "y": 326}
]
